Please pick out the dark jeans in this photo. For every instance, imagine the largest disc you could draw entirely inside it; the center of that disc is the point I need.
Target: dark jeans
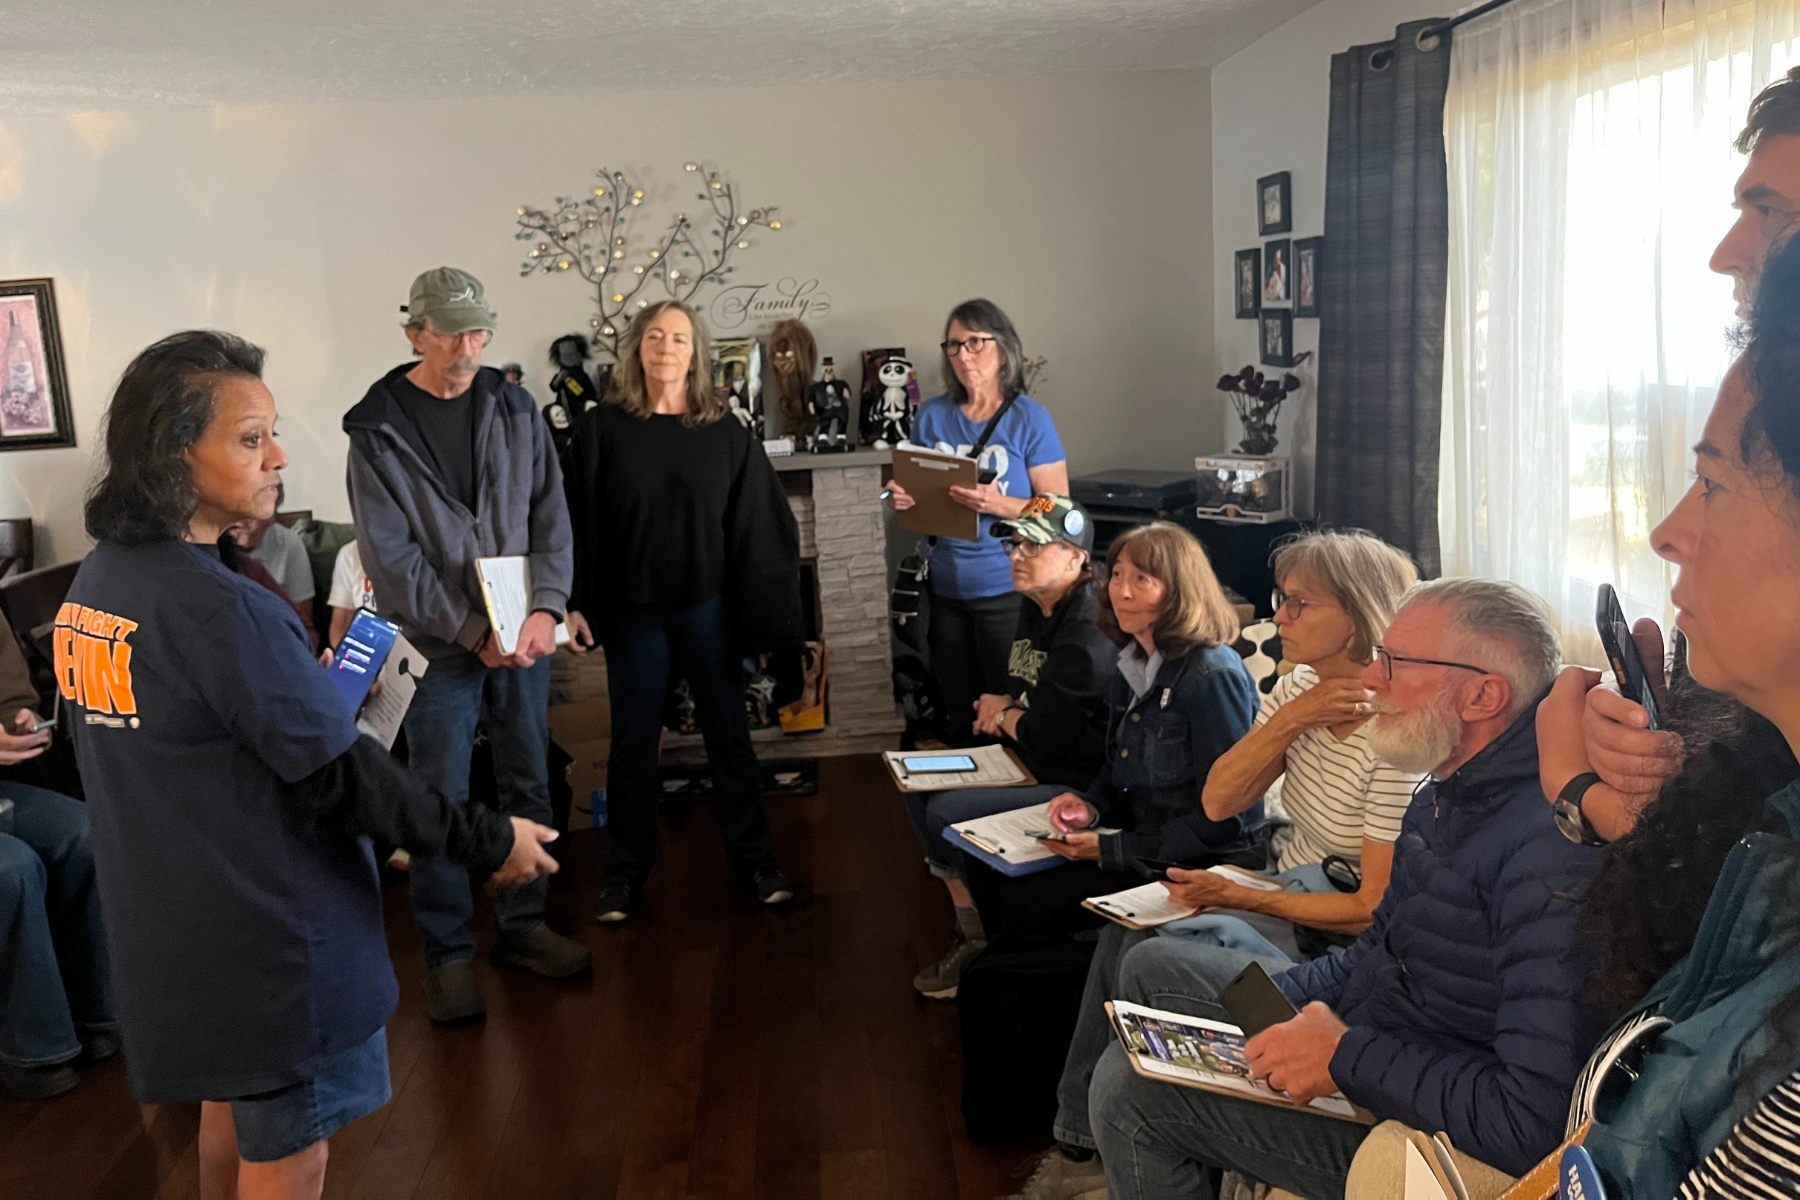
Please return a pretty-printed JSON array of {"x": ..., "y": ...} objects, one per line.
[
  {"x": 54, "y": 983},
  {"x": 970, "y": 641},
  {"x": 454, "y": 695},
  {"x": 1045, "y": 904},
  {"x": 642, "y": 643}
]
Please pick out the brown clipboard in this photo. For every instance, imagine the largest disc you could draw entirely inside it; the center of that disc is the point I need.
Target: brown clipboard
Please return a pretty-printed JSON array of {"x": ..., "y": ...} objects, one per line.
[{"x": 928, "y": 476}]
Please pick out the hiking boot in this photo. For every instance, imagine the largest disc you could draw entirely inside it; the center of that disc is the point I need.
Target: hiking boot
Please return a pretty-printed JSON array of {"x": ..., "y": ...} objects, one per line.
[
  {"x": 1059, "y": 1177},
  {"x": 544, "y": 951},
  {"x": 772, "y": 887},
  {"x": 940, "y": 981},
  {"x": 616, "y": 902},
  {"x": 38, "y": 1083},
  {"x": 451, "y": 993}
]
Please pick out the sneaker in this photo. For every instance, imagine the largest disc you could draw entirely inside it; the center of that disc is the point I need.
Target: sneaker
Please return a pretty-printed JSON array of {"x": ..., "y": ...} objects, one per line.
[
  {"x": 940, "y": 982},
  {"x": 544, "y": 951},
  {"x": 772, "y": 887},
  {"x": 451, "y": 993},
  {"x": 38, "y": 1083},
  {"x": 616, "y": 902},
  {"x": 1059, "y": 1177},
  {"x": 98, "y": 1047}
]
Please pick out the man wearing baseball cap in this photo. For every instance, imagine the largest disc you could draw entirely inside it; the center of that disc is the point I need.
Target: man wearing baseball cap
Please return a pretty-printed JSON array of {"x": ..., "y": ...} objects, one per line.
[
  {"x": 1053, "y": 713},
  {"x": 450, "y": 462}
]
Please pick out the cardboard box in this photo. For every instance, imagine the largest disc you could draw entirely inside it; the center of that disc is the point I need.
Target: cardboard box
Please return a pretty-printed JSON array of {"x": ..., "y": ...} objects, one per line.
[
  {"x": 586, "y": 773},
  {"x": 587, "y": 721}
]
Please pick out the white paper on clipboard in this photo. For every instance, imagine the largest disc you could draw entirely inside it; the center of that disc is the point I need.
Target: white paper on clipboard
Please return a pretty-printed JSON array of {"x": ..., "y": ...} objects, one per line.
[
  {"x": 399, "y": 678},
  {"x": 506, "y": 589}
]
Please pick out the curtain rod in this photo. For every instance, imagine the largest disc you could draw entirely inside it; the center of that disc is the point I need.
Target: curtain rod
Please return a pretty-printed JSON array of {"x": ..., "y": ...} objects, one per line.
[{"x": 1453, "y": 22}]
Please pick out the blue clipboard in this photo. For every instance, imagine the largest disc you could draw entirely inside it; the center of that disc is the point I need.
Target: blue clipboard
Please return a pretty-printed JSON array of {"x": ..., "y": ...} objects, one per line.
[{"x": 1000, "y": 862}]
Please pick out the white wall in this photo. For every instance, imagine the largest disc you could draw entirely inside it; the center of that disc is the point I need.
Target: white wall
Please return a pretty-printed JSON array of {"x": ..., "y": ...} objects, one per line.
[
  {"x": 1271, "y": 110},
  {"x": 1079, "y": 204}
]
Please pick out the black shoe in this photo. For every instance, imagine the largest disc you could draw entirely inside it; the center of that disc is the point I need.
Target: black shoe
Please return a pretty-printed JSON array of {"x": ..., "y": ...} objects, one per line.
[
  {"x": 38, "y": 1083},
  {"x": 617, "y": 899},
  {"x": 451, "y": 993},
  {"x": 544, "y": 951},
  {"x": 98, "y": 1047},
  {"x": 772, "y": 887}
]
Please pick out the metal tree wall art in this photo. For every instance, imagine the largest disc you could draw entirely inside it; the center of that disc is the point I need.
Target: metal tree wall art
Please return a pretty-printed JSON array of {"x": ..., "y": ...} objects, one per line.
[{"x": 602, "y": 237}]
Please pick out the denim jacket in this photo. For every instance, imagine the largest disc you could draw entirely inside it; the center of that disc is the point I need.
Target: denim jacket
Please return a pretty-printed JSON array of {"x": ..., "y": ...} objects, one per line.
[{"x": 1159, "y": 750}]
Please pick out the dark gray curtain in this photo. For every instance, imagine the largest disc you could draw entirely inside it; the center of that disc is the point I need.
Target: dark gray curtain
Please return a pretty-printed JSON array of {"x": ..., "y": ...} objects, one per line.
[{"x": 1381, "y": 292}]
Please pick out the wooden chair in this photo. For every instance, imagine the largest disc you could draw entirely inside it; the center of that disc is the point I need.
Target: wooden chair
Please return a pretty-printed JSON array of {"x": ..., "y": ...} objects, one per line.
[
  {"x": 15, "y": 545},
  {"x": 31, "y": 599}
]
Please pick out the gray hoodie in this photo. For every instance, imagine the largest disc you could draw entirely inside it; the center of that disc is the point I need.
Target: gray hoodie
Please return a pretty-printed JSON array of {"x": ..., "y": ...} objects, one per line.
[{"x": 419, "y": 545}]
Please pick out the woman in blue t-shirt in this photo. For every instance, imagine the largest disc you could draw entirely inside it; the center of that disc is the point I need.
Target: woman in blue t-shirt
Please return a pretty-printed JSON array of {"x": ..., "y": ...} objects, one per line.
[{"x": 974, "y": 609}]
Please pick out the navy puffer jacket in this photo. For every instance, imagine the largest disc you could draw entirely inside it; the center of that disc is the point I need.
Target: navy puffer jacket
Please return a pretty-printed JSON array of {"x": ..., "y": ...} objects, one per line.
[{"x": 1463, "y": 997}]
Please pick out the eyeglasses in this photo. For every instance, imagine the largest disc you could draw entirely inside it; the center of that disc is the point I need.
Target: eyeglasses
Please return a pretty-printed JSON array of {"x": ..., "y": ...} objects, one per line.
[
  {"x": 1023, "y": 548},
  {"x": 1387, "y": 662},
  {"x": 971, "y": 346},
  {"x": 1294, "y": 606}
]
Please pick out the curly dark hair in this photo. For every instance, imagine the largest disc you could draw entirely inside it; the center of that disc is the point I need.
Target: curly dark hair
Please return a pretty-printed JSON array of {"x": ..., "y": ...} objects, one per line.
[{"x": 162, "y": 406}]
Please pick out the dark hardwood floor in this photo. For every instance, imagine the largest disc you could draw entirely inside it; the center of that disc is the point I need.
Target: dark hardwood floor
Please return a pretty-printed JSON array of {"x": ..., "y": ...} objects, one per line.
[{"x": 720, "y": 1049}]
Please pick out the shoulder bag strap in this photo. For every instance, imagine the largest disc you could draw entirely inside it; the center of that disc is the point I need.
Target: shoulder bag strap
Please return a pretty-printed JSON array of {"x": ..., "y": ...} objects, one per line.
[{"x": 988, "y": 431}]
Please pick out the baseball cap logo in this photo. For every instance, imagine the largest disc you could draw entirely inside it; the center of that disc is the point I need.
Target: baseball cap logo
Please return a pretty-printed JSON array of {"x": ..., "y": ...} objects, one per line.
[
  {"x": 468, "y": 293},
  {"x": 1038, "y": 506}
]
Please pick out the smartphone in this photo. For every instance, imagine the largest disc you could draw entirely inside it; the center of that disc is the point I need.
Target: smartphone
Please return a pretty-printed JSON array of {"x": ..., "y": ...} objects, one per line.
[
  {"x": 359, "y": 656},
  {"x": 1622, "y": 652},
  {"x": 1159, "y": 867},
  {"x": 1047, "y": 835},
  {"x": 1254, "y": 1002},
  {"x": 926, "y": 764}
]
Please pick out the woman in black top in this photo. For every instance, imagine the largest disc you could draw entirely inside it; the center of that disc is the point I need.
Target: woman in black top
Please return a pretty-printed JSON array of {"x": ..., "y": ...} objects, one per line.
[{"x": 686, "y": 557}]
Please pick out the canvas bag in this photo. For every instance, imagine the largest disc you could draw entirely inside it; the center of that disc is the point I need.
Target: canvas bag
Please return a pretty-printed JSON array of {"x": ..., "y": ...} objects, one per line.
[{"x": 1650, "y": 1133}]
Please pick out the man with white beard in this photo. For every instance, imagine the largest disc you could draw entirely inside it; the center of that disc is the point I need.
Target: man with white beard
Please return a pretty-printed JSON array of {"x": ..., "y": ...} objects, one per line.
[{"x": 1458, "y": 1009}]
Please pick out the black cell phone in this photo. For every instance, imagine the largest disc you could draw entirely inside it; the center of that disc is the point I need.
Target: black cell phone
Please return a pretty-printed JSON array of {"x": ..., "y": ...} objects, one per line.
[
  {"x": 1159, "y": 867},
  {"x": 1255, "y": 1003},
  {"x": 1622, "y": 652}
]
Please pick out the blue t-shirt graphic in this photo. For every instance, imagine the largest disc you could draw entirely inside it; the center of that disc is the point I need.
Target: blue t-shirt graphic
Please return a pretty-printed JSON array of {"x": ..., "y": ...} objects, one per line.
[{"x": 1026, "y": 438}]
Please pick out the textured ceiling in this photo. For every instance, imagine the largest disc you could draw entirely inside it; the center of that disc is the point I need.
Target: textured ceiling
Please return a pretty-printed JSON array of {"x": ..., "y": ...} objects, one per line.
[{"x": 62, "y": 54}]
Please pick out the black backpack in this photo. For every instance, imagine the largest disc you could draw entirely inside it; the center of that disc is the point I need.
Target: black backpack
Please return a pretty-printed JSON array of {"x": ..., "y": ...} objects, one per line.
[{"x": 1017, "y": 1005}]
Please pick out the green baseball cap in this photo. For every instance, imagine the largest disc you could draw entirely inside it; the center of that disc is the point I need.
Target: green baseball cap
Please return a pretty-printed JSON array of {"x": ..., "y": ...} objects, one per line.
[
  {"x": 1050, "y": 518},
  {"x": 453, "y": 301}
]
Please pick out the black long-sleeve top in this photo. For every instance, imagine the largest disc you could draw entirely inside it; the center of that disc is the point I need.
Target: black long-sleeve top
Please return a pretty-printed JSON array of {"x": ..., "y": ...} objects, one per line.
[{"x": 1058, "y": 673}]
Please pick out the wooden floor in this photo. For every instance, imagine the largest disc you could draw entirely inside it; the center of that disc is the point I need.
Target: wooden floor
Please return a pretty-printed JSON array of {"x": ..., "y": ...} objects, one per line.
[{"x": 720, "y": 1049}]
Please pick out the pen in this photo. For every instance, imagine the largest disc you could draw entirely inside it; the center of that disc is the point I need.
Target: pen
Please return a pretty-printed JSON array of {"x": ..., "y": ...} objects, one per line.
[{"x": 887, "y": 493}]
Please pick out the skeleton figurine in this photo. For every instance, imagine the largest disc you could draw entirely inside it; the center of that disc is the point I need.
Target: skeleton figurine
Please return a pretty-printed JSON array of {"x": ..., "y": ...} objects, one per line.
[
  {"x": 829, "y": 400},
  {"x": 893, "y": 412}
]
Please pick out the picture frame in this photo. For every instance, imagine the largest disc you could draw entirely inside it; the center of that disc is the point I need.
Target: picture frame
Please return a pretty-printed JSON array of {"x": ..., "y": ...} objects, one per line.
[
  {"x": 1247, "y": 283},
  {"x": 1277, "y": 276},
  {"x": 1274, "y": 204},
  {"x": 1307, "y": 257},
  {"x": 34, "y": 384},
  {"x": 1276, "y": 337}
]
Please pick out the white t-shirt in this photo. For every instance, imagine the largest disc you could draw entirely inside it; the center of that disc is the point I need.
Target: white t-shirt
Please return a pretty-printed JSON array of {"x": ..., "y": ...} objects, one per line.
[
  {"x": 1336, "y": 793},
  {"x": 350, "y": 587}
]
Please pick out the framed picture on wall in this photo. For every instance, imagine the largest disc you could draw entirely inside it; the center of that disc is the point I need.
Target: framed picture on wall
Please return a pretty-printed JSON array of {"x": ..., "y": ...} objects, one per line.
[
  {"x": 1274, "y": 208},
  {"x": 34, "y": 388},
  {"x": 1248, "y": 283},
  {"x": 1306, "y": 276},
  {"x": 1277, "y": 337},
  {"x": 1278, "y": 265}
]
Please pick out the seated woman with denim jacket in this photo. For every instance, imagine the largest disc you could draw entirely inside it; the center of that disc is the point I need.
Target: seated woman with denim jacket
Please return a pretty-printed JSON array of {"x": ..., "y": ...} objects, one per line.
[{"x": 1182, "y": 698}]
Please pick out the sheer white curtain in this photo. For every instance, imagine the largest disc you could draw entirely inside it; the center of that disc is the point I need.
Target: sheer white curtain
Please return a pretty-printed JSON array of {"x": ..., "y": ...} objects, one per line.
[{"x": 1591, "y": 166}]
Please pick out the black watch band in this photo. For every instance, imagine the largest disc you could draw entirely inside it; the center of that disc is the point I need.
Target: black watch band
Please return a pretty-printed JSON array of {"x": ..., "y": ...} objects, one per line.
[{"x": 1567, "y": 809}]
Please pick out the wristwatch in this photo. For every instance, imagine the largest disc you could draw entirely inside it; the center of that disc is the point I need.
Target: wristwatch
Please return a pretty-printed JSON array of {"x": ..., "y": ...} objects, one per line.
[{"x": 1567, "y": 810}]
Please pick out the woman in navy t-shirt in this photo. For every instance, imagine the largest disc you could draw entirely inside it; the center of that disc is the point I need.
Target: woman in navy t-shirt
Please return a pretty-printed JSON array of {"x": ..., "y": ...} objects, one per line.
[
  {"x": 974, "y": 610},
  {"x": 231, "y": 793}
]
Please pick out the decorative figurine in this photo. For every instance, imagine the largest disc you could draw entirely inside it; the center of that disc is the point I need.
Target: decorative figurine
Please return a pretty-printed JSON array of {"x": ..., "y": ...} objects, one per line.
[
  {"x": 737, "y": 375},
  {"x": 868, "y": 426},
  {"x": 794, "y": 355},
  {"x": 829, "y": 400},
  {"x": 513, "y": 373},
  {"x": 893, "y": 412},
  {"x": 572, "y": 390}
]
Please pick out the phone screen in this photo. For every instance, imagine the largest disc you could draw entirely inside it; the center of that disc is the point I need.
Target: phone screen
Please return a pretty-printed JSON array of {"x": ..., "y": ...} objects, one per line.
[
  {"x": 1622, "y": 652},
  {"x": 925, "y": 764},
  {"x": 1255, "y": 1002},
  {"x": 360, "y": 655}
]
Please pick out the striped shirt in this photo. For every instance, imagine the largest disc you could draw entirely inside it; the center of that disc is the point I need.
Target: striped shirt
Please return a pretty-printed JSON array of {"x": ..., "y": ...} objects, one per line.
[
  {"x": 1335, "y": 792},
  {"x": 1760, "y": 1159}
]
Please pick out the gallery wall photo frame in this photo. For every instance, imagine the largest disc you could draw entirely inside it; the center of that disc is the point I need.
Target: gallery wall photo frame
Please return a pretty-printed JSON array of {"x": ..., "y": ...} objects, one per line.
[
  {"x": 1247, "y": 283},
  {"x": 1276, "y": 339},
  {"x": 1308, "y": 253},
  {"x": 1278, "y": 272},
  {"x": 34, "y": 384},
  {"x": 1274, "y": 204}
]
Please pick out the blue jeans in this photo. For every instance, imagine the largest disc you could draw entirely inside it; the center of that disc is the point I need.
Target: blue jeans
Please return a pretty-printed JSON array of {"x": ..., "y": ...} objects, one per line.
[
  {"x": 1161, "y": 1141},
  {"x": 1260, "y": 935},
  {"x": 454, "y": 694},
  {"x": 642, "y": 644},
  {"x": 934, "y": 812},
  {"x": 54, "y": 983}
]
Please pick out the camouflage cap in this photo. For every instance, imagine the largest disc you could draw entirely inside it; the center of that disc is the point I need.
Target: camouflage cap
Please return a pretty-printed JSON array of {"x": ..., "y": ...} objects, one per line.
[{"x": 1050, "y": 518}]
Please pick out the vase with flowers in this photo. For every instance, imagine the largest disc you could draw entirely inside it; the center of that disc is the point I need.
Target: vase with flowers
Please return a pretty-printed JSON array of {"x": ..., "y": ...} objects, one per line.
[{"x": 1257, "y": 400}]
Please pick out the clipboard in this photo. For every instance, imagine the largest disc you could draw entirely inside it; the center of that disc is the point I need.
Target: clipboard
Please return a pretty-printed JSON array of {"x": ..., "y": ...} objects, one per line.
[
  {"x": 506, "y": 592},
  {"x": 928, "y": 476}
]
